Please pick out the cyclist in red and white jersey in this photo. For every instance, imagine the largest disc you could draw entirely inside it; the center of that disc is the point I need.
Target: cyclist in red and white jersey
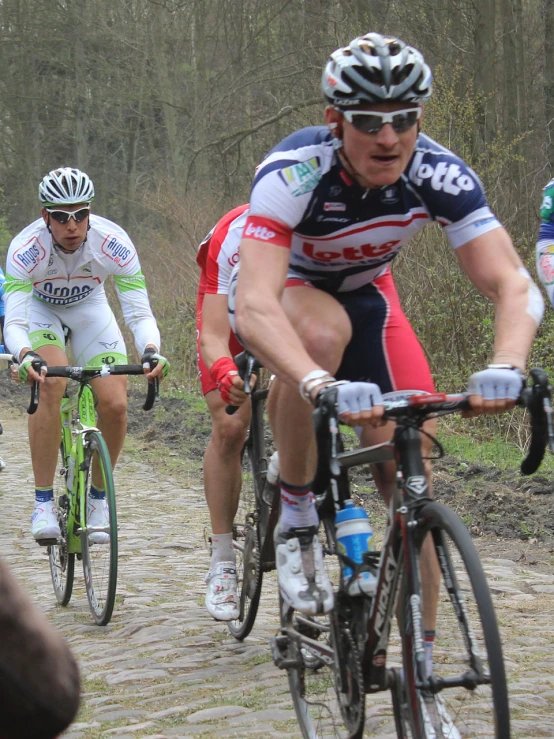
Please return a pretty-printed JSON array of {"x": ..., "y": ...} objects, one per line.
[
  {"x": 221, "y": 385},
  {"x": 55, "y": 272},
  {"x": 333, "y": 205}
]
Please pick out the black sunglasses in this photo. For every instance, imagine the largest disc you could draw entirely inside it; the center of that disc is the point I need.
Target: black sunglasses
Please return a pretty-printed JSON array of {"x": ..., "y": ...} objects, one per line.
[
  {"x": 63, "y": 216},
  {"x": 372, "y": 121}
]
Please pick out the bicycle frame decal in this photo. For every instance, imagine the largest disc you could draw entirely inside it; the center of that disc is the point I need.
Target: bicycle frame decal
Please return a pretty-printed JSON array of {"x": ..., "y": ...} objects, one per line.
[
  {"x": 415, "y": 606},
  {"x": 417, "y": 484},
  {"x": 86, "y": 406}
]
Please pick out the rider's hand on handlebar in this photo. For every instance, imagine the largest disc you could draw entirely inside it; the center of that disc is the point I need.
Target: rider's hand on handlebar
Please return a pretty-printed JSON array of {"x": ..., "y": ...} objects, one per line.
[
  {"x": 494, "y": 389},
  {"x": 161, "y": 367},
  {"x": 360, "y": 403},
  {"x": 225, "y": 374},
  {"x": 29, "y": 374}
]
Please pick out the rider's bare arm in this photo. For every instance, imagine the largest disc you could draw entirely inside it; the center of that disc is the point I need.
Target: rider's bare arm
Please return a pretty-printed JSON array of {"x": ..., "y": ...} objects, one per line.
[
  {"x": 261, "y": 319},
  {"x": 492, "y": 264}
]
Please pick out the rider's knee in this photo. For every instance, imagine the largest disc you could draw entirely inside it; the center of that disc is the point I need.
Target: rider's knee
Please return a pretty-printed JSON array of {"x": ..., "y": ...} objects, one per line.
[
  {"x": 229, "y": 434},
  {"x": 324, "y": 343},
  {"x": 52, "y": 390},
  {"x": 113, "y": 408}
]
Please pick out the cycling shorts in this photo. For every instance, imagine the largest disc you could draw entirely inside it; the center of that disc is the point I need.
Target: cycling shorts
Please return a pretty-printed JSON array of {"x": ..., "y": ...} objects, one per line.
[
  {"x": 384, "y": 348},
  {"x": 94, "y": 336},
  {"x": 235, "y": 347}
]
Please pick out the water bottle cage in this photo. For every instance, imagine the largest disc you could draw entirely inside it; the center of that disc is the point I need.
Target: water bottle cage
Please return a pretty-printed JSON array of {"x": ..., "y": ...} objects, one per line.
[{"x": 370, "y": 564}]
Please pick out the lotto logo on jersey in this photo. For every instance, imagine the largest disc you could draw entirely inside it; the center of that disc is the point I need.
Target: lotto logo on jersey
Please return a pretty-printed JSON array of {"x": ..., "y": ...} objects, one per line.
[
  {"x": 29, "y": 255},
  {"x": 302, "y": 177},
  {"x": 261, "y": 233},
  {"x": 120, "y": 253},
  {"x": 444, "y": 177},
  {"x": 350, "y": 253}
]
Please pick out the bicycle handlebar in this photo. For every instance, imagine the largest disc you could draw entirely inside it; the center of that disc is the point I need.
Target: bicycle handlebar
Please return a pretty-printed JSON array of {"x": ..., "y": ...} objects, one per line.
[
  {"x": 416, "y": 409},
  {"x": 82, "y": 373},
  {"x": 247, "y": 366}
]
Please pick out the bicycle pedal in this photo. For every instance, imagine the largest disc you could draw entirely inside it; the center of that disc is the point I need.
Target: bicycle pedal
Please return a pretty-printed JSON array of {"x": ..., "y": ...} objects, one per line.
[
  {"x": 46, "y": 542},
  {"x": 279, "y": 648}
]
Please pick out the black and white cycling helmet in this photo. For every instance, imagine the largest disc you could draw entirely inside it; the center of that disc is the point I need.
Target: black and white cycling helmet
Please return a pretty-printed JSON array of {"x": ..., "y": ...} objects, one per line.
[
  {"x": 65, "y": 186},
  {"x": 376, "y": 69}
]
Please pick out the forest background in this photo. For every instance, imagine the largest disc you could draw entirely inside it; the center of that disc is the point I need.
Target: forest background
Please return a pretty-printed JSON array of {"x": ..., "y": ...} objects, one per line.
[{"x": 170, "y": 104}]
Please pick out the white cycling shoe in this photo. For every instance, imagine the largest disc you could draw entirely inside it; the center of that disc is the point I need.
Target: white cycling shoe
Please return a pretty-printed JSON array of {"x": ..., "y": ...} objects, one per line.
[
  {"x": 44, "y": 521},
  {"x": 440, "y": 718},
  {"x": 221, "y": 596},
  {"x": 98, "y": 517},
  {"x": 303, "y": 581}
]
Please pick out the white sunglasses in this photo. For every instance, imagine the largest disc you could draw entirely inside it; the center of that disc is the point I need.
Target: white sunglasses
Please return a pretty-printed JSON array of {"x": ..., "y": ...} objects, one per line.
[{"x": 372, "y": 121}]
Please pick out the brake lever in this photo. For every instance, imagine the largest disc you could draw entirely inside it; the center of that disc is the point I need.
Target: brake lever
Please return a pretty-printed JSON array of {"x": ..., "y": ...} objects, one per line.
[{"x": 153, "y": 391}]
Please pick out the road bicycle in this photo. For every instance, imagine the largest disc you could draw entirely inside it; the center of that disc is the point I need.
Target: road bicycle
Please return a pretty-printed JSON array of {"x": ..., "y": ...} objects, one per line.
[
  {"x": 84, "y": 454},
  {"x": 333, "y": 661},
  {"x": 258, "y": 506}
]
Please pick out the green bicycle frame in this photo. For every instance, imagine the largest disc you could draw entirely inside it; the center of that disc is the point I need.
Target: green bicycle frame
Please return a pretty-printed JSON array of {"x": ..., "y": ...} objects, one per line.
[{"x": 73, "y": 433}]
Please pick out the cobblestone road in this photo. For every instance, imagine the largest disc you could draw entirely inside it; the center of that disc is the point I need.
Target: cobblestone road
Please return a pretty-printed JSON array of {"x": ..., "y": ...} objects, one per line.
[{"x": 163, "y": 668}]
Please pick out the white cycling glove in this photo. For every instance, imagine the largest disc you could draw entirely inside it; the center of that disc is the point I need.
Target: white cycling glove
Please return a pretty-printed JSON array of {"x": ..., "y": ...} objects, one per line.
[
  {"x": 353, "y": 397},
  {"x": 496, "y": 383}
]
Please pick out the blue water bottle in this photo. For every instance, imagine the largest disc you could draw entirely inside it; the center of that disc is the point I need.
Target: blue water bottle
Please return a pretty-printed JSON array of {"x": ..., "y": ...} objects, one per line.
[{"x": 354, "y": 537}]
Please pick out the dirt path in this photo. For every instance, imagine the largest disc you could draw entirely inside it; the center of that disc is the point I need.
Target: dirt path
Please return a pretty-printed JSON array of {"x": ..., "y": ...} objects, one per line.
[{"x": 164, "y": 669}]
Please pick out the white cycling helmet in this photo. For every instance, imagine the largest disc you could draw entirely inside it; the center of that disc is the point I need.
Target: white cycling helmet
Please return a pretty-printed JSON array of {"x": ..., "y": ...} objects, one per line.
[
  {"x": 376, "y": 69},
  {"x": 65, "y": 186}
]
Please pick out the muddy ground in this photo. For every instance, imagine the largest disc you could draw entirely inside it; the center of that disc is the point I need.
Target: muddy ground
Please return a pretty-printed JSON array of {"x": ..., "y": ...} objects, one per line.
[{"x": 491, "y": 502}]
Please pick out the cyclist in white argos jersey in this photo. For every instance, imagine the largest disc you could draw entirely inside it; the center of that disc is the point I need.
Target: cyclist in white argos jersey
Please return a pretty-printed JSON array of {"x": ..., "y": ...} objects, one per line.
[
  {"x": 55, "y": 272},
  {"x": 333, "y": 205}
]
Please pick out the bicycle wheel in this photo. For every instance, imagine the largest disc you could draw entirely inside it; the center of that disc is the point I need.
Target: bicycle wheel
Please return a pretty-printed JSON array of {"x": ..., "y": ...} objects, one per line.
[
  {"x": 247, "y": 545},
  {"x": 323, "y": 664},
  {"x": 62, "y": 564},
  {"x": 100, "y": 560},
  {"x": 468, "y": 696}
]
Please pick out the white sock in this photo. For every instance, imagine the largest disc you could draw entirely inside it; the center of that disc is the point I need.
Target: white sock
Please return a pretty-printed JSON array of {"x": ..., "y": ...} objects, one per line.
[
  {"x": 222, "y": 549},
  {"x": 297, "y": 507}
]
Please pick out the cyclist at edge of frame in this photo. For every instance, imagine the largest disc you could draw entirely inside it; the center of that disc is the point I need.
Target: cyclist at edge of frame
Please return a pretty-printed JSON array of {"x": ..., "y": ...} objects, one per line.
[
  {"x": 331, "y": 206},
  {"x": 221, "y": 385},
  {"x": 55, "y": 272},
  {"x": 2, "y": 315}
]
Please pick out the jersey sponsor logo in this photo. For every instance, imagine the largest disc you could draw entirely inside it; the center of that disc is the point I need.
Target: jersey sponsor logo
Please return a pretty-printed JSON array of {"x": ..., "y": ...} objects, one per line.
[
  {"x": 443, "y": 176},
  {"x": 546, "y": 206},
  {"x": 334, "y": 207},
  {"x": 63, "y": 295},
  {"x": 332, "y": 219},
  {"x": 120, "y": 253},
  {"x": 42, "y": 325},
  {"x": 350, "y": 253},
  {"x": 259, "y": 232},
  {"x": 335, "y": 190},
  {"x": 483, "y": 222},
  {"x": 49, "y": 337},
  {"x": 390, "y": 195},
  {"x": 109, "y": 344},
  {"x": 302, "y": 177},
  {"x": 546, "y": 267},
  {"x": 233, "y": 259},
  {"x": 86, "y": 269},
  {"x": 109, "y": 359},
  {"x": 29, "y": 255}
]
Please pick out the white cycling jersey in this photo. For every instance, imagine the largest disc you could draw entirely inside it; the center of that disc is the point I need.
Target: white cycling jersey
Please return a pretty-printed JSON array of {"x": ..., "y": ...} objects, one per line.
[{"x": 36, "y": 270}]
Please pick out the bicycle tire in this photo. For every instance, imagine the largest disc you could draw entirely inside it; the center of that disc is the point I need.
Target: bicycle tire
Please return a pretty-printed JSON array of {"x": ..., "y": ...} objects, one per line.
[
  {"x": 62, "y": 563},
  {"x": 467, "y": 646},
  {"x": 246, "y": 543},
  {"x": 100, "y": 560},
  {"x": 326, "y": 685}
]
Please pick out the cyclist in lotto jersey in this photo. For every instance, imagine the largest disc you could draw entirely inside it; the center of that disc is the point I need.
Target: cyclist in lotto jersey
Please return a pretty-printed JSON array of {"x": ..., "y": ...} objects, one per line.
[
  {"x": 333, "y": 205},
  {"x": 56, "y": 268},
  {"x": 217, "y": 345}
]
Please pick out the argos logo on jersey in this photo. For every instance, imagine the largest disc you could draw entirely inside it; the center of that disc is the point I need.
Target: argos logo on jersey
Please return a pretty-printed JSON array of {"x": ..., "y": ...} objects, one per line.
[
  {"x": 60, "y": 292},
  {"x": 29, "y": 255},
  {"x": 120, "y": 253},
  {"x": 444, "y": 177}
]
